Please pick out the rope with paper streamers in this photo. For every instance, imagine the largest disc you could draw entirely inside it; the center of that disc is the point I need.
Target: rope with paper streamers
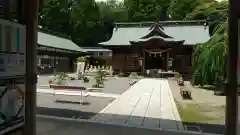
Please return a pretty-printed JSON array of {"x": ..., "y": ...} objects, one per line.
[{"x": 156, "y": 53}]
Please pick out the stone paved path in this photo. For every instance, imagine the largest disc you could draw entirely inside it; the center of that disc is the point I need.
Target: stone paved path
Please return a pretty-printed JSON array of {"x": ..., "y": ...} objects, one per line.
[{"x": 149, "y": 103}]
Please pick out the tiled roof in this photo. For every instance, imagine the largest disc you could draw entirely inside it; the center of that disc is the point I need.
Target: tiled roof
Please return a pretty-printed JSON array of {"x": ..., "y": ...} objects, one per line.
[
  {"x": 59, "y": 42},
  {"x": 95, "y": 49},
  {"x": 191, "y": 32}
]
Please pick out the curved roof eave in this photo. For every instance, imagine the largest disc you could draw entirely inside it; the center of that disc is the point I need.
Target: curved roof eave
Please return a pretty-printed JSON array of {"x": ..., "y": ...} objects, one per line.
[
  {"x": 158, "y": 38},
  {"x": 156, "y": 31}
]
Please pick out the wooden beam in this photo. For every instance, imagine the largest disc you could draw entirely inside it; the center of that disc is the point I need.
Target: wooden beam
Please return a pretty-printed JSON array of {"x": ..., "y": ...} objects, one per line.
[
  {"x": 231, "y": 89},
  {"x": 30, "y": 19}
]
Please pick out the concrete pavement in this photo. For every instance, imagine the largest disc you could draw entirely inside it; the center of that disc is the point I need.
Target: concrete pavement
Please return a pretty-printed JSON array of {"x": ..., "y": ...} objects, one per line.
[
  {"x": 149, "y": 103},
  {"x": 55, "y": 126}
]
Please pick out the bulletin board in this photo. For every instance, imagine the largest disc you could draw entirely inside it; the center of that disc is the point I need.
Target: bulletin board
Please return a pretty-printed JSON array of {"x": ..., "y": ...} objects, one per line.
[{"x": 12, "y": 75}]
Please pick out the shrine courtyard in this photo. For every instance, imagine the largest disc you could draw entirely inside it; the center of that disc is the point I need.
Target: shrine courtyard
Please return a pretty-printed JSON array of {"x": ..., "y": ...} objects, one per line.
[{"x": 150, "y": 103}]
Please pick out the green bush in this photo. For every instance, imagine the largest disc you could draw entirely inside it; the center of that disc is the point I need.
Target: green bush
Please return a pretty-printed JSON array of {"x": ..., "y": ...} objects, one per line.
[
  {"x": 58, "y": 79},
  {"x": 178, "y": 76},
  {"x": 83, "y": 59},
  {"x": 85, "y": 79},
  {"x": 101, "y": 74},
  {"x": 99, "y": 78},
  {"x": 134, "y": 74}
]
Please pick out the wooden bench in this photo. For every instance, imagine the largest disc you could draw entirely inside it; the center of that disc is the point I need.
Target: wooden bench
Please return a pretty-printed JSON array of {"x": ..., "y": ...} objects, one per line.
[
  {"x": 59, "y": 96},
  {"x": 185, "y": 93}
]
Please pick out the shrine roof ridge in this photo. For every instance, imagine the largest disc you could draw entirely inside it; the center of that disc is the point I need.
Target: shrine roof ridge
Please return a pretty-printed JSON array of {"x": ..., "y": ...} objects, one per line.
[{"x": 163, "y": 23}]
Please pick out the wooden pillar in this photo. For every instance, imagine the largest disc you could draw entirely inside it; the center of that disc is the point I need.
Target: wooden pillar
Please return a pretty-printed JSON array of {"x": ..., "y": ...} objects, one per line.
[
  {"x": 167, "y": 60},
  {"x": 232, "y": 74},
  {"x": 6, "y": 9},
  {"x": 29, "y": 17},
  {"x": 143, "y": 61}
]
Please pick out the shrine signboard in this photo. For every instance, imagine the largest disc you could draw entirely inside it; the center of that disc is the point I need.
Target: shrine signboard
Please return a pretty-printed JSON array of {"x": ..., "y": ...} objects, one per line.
[{"x": 12, "y": 75}]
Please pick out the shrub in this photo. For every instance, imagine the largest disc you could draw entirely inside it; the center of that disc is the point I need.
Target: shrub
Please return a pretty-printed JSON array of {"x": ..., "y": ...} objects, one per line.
[
  {"x": 83, "y": 59},
  {"x": 101, "y": 74},
  {"x": 99, "y": 78},
  {"x": 85, "y": 79},
  {"x": 63, "y": 75},
  {"x": 178, "y": 76},
  {"x": 134, "y": 74},
  {"x": 58, "y": 79}
]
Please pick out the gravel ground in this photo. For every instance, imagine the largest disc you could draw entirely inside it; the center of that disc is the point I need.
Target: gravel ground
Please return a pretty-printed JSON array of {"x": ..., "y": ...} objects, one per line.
[
  {"x": 208, "y": 104},
  {"x": 47, "y": 105},
  {"x": 114, "y": 85}
]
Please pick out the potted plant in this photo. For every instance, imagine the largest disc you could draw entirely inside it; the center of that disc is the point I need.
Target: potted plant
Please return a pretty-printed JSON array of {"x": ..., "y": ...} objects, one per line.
[
  {"x": 178, "y": 76},
  {"x": 99, "y": 78}
]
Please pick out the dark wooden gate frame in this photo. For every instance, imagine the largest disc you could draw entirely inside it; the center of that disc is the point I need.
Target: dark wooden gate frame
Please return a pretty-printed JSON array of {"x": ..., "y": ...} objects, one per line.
[
  {"x": 164, "y": 61},
  {"x": 231, "y": 122},
  {"x": 29, "y": 17}
]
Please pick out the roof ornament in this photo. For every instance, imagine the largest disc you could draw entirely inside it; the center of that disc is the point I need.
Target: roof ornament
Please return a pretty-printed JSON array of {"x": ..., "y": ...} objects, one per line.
[
  {"x": 156, "y": 25},
  {"x": 116, "y": 28},
  {"x": 205, "y": 25}
]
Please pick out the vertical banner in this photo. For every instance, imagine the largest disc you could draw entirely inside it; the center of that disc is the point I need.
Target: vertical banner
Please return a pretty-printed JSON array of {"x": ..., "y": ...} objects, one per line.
[{"x": 12, "y": 76}]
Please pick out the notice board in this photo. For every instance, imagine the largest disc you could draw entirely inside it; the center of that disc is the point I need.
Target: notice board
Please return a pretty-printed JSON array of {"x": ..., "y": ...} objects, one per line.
[{"x": 12, "y": 75}]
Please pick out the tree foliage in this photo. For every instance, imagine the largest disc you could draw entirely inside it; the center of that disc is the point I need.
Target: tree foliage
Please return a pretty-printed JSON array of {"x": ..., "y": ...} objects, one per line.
[
  {"x": 80, "y": 19},
  {"x": 209, "y": 59},
  {"x": 89, "y": 22}
]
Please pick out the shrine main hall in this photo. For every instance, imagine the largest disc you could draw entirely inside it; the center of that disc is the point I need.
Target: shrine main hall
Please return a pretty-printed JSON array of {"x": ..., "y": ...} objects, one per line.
[{"x": 166, "y": 46}]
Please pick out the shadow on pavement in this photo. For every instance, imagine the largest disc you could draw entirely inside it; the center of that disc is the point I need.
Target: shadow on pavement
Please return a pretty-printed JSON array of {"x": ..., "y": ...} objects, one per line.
[
  {"x": 65, "y": 113},
  {"x": 135, "y": 121}
]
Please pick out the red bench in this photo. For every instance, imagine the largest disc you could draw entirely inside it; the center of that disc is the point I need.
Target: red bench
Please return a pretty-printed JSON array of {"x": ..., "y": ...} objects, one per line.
[
  {"x": 69, "y": 92},
  {"x": 63, "y": 87}
]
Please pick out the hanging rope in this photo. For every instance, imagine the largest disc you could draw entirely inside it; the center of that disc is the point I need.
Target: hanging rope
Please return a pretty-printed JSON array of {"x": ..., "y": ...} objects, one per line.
[{"x": 156, "y": 53}]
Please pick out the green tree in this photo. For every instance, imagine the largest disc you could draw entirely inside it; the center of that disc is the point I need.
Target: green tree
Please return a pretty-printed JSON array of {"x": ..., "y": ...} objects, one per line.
[
  {"x": 146, "y": 10},
  {"x": 214, "y": 12},
  {"x": 178, "y": 9},
  {"x": 209, "y": 58},
  {"x": 49, "y": 15},
  {"x": 80, "y": 19}
]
